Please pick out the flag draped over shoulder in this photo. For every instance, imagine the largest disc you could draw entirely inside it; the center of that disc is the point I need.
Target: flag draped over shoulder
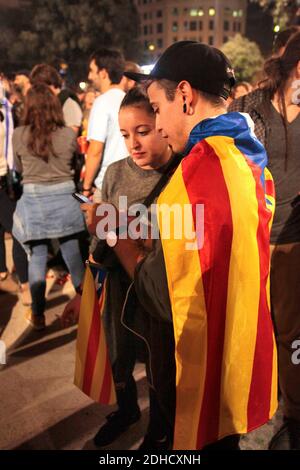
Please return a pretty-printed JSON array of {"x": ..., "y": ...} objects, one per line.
[
  {"x": 219, "y": 291},
  {"x": 93, "y": 374}
]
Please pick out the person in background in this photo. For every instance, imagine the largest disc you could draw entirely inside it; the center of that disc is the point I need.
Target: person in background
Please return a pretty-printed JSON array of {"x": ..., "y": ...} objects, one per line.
[
  {"x": 89, "y": 97},
  {"x": 22, "y": 85},
  {"x": 22, "y": 81},
  {"x": 275, "y": 109},
  {"x": 282, "y": 38},
  {"x": 126, "y": 82},
  {"x": 43, "y": 152},
  {"x": 241, "y": 89},
  {"x": 43, "y": 73},
  {"x": 7, "y": 207},
  {"x": 106, "y": 144}
]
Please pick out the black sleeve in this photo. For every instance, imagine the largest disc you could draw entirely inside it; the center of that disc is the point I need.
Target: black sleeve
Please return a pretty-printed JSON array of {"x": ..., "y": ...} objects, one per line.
[{"x": 151, "y": 284}]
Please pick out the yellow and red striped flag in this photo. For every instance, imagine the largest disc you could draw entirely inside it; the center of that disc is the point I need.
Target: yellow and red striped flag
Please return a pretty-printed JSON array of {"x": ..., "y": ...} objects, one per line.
[
  {"x": 225, "y": 348},
  {"x": 93, "y": 374}
]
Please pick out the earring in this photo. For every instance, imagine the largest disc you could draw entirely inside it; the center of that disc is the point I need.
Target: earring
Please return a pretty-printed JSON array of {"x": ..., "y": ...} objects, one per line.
[
  {"x": 191, "y": 111},
  {"x": 184, "y": 105}
]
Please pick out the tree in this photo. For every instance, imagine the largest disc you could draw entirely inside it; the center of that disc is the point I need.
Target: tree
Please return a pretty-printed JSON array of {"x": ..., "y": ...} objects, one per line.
[
  {"x": 73, "y": 29},
  {"x": 245, "y": 57},
  {"x": 283, "y": 11}
]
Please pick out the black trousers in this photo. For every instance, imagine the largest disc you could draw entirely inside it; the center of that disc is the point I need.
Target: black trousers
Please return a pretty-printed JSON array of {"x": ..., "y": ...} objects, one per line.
[{"x": 7, "y": 208}]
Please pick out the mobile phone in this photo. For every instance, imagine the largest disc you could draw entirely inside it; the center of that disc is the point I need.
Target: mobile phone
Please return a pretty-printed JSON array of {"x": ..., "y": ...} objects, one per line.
[{"x": 82, "y": 199}]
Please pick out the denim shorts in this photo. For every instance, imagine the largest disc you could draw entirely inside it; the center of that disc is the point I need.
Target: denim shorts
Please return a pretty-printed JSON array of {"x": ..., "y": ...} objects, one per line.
[{"x": 47, "y": 211}]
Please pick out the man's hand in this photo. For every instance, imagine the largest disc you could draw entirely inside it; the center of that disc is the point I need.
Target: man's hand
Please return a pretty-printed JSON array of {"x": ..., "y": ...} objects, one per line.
[{"x": 70, "y": 315}]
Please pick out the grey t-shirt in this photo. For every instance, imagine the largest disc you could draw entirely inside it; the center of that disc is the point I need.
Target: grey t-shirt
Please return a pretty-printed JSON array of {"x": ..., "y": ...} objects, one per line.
[
  {"x": 72, "y": 113},
  {"x": 286, "y": 225},
  {"x": 125, "y": 178},
  {"x": 33, "y": 168}
]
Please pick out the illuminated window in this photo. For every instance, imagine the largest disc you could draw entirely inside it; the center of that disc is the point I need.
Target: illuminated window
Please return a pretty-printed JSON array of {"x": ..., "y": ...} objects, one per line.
[
  {"x": 151, "y": 47},
  {"x": 196, "y": 12},
  {"x": 212, "y": 12},
  {"x": 235, "y": 13}
]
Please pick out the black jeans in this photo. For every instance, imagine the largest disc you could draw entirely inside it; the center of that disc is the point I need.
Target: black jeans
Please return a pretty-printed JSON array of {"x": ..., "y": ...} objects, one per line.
[{"x": 7, "y": 208}]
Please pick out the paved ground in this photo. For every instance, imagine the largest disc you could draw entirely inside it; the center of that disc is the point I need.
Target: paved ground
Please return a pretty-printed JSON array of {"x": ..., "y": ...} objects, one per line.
[{"x": 40, "y": 406}]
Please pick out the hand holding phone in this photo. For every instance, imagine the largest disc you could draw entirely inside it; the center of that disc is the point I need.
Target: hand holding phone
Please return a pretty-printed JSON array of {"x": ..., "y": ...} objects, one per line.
[{"x": 82, "y": 199}]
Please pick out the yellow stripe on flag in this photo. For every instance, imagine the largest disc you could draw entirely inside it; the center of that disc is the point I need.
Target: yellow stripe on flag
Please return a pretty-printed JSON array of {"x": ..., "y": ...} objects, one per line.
[
  {"x": 100, "y": 365},
  {"x": 243, "y": 295},
  {"x": 189, "y": 315}
]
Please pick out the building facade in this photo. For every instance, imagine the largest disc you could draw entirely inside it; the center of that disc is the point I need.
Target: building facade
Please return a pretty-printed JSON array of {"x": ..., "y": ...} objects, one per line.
[{"x": 164, "y": 22}]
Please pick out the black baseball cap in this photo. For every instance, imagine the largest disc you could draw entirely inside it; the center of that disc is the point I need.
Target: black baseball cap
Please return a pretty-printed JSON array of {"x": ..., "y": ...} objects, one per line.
[{"x": 206, "y": 68}]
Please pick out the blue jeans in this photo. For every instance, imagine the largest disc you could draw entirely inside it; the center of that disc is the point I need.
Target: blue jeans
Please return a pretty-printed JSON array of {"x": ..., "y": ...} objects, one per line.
[{"x": 38, "y": 266}]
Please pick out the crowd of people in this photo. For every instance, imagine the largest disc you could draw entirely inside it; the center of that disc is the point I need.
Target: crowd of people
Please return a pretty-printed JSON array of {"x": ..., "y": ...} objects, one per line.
[{"x": 205, "y": 321}]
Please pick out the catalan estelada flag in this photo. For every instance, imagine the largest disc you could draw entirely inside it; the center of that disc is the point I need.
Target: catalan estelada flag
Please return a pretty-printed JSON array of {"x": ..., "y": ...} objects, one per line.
[
  {"x": 219, "y": 291},
  {"x": 93, "y": 374}
]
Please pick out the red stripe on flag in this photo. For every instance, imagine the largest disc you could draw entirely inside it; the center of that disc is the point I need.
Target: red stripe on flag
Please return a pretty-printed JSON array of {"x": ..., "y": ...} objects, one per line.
[
  {"x": 92, "y": 347},
  {"x": 107, "y": 383},
  {"x": 215, "y": 261},
  {"x": 261, "y": 382},
  {"x": 270, "y": 190}
]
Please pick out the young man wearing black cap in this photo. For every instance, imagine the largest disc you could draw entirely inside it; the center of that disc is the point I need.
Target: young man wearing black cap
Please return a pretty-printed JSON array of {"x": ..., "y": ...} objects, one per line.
[{"x": 213, "y": 284}]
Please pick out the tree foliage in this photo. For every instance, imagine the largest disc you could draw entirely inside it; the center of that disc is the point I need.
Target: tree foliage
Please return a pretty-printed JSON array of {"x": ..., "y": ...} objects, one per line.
[
  {"x": 245, "y": 57},
  {"x": 283, "y": 11},
  {"x": 73, "y": 29}
]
